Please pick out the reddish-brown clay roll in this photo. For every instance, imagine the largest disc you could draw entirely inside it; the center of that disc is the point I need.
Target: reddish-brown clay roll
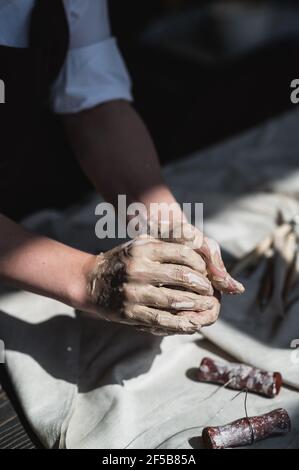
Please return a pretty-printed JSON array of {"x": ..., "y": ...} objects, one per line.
[
  {"x": 240, "y": 377},
  {"x": 247, "y": 431}
]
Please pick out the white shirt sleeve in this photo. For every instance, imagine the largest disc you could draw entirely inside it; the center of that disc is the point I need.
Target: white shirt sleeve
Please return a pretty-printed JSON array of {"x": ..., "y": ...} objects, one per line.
[{"x": 94, "y": 71}]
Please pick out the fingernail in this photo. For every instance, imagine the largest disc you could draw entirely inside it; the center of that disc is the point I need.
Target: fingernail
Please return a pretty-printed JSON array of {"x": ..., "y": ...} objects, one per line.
[
  {"x": 208, "y": 304},
  {"x": 229, "y": 285},
  {"x": 239, "y": 287},
  {"x": 197, "y": 327},
  {"x": 198, "y": 281},
  {"x": 183, "y": 305}
]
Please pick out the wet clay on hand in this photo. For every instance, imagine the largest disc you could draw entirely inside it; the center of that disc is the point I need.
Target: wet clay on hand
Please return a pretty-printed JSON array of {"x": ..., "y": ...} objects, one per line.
[{"x": 154, "y": 285}]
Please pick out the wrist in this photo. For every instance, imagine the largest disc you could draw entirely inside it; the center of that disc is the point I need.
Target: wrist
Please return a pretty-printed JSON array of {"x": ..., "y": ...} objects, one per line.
[
  {"x": 79, "y": 291},
  {"x": 160, "y": 206},
  {"x": 159, "y": 194}
]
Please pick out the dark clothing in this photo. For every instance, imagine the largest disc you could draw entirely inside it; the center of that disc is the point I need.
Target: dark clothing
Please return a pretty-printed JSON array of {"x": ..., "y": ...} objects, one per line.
[{"x": 37, "y": 168}]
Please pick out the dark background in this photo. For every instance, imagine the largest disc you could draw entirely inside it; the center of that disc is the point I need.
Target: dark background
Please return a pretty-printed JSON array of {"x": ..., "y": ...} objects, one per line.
[{"x": 206, "y": 70}]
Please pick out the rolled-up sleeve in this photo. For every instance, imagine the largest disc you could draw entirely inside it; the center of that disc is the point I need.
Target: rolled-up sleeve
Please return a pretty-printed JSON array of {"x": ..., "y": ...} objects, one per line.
[{"x": 94, "y": 71}]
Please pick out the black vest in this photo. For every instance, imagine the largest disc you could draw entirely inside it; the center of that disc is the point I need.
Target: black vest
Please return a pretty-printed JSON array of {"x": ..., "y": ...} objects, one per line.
[{"x": 37, "y": 168}]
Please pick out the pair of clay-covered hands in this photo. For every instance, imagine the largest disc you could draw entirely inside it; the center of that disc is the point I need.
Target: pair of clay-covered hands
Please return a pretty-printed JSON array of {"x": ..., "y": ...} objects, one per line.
[{"x": 165, "y": 286}]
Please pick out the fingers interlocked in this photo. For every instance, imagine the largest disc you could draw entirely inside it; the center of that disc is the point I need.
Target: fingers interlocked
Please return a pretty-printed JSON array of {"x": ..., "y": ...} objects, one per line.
[{"x": 162, "y": 287}]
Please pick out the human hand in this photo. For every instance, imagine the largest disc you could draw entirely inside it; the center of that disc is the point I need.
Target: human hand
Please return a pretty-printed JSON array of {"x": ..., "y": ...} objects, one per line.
[
  {"x": 155, "y": 286},
  {"x": 186, "y": 234}
]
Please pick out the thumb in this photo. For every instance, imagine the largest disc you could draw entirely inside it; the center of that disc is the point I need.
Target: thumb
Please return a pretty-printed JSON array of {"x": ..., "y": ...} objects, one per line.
[{"x": 217, "y": 273}]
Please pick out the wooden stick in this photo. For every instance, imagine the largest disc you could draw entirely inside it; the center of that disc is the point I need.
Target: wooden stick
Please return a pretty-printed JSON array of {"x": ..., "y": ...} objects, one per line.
[
  {"x": 247, "y": 431},
  {"x": 240, "y": 377}
]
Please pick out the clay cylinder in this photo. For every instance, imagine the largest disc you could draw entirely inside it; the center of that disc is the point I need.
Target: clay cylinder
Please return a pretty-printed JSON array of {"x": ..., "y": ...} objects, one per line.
[
  {"x": 247, "y": 431},
  {"x": 240, "y": 377}
]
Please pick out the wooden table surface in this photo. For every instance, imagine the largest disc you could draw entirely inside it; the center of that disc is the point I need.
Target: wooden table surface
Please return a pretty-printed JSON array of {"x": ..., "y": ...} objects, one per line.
[{"x": 12, "y": 432}]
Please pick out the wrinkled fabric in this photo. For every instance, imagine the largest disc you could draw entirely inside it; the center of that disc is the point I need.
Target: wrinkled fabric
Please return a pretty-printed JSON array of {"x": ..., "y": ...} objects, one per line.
[{"x": 86, "y": 383}]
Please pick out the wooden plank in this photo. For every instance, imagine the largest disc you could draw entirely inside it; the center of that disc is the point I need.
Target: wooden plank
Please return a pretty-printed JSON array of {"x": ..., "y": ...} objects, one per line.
[{"x": 12, "y": 432}]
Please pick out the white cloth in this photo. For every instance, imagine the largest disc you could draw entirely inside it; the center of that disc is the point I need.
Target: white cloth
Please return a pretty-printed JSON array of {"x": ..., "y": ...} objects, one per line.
[
  {"x": 86, "y": 383},
  {"x": 94, "y": 71}
]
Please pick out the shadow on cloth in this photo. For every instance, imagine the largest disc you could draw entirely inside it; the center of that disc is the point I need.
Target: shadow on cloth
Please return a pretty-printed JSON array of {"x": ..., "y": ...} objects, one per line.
[
  {"x": 111, "y": 353},
  {"x": 88, "y": 358}
]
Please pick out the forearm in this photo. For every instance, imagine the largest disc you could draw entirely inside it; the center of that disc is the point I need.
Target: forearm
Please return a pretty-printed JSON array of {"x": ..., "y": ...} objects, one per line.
[
  {"x": 43, "y": 266},
  {"x": 116, "y": 152}
]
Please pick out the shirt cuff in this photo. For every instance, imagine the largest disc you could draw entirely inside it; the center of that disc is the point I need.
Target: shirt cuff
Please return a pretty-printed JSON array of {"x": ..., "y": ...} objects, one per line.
[{"x": 90, "y": 76}]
